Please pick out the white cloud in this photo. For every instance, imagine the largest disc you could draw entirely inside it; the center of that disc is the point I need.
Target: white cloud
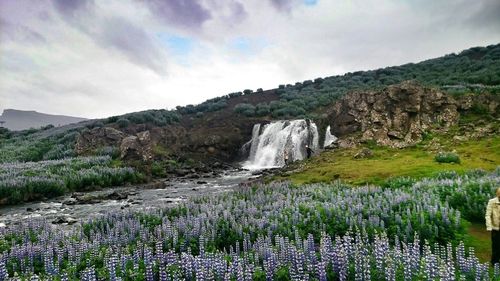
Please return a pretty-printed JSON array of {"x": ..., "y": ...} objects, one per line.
[{"x": 74, "y": 68}]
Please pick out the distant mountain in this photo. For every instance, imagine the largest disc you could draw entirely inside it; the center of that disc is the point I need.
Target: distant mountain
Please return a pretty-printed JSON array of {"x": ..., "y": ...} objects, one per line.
[{"x": 16, "y": 120}]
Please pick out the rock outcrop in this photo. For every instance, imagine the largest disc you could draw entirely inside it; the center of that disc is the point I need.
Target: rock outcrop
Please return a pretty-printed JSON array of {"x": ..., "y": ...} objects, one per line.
[
  {"x": 90, "y": 140},
  {"x": 137, "y": 147},
  {"x": 396, "y": 116},
  {"x": 132, "y": 147}
]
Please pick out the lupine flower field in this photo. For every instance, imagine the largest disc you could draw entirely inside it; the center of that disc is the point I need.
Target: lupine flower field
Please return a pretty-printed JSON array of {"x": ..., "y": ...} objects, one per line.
[
  {"x": 407, "y": 230},
  {"x": 25, "y": 181}
]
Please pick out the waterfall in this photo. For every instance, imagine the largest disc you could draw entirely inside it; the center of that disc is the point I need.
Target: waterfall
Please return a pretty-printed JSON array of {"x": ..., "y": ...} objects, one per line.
[
  {"x": 268, "y": 144},
  {"x": 254, "y": 142},
  {"x": 329, "y": 138}
]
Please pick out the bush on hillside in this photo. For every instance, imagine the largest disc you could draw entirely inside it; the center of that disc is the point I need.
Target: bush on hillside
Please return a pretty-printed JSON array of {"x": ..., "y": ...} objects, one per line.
[
  {"x": 447, "y": 157},
  {"x": 245, "y": 109},
  {"x": 123, "y": 123}
]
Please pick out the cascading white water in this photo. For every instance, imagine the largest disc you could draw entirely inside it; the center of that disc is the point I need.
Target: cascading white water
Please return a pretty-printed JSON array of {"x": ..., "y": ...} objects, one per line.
[
  {"x": 329, "y": 138},
  {"x": 268, "y": 145},
  {"x": 254, "y": 142}
]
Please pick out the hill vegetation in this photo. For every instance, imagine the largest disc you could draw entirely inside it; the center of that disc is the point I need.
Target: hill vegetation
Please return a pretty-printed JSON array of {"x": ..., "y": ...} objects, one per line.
[{"x": 472, "y": 70}]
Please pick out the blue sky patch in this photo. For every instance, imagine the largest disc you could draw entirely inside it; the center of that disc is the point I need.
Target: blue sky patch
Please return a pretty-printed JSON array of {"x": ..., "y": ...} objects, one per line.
[
  {"x": 310, "y": 2},
  {"x": 177, "y": 45}
]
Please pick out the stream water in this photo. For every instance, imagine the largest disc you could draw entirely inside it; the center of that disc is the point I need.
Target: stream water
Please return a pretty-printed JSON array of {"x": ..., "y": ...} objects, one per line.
[{"x": 137, "y": 198}]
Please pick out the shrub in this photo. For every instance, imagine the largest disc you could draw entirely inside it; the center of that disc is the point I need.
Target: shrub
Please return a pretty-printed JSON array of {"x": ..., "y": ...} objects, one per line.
[
  {"x": 32, "y": 180},
  {"x": 158, "y": 170},
  {"x": 112, "y": 119},
  {"x": 245, "y": 109},
  {"x": 123, "y": 123},
  {"x": 447, "y": 157},
  {"x": 50, "y": 126},
  {"x": 262, "y": 109}
]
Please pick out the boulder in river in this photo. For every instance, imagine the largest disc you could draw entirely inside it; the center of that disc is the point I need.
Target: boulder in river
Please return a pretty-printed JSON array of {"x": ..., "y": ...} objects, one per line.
[
  {"x": 116, "y": 195},
  {"x": 65, "y": 220}
]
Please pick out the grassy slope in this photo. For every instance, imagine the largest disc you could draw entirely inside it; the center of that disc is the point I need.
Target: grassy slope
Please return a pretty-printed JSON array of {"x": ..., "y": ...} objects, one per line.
[{"x": 388, "y": 162}]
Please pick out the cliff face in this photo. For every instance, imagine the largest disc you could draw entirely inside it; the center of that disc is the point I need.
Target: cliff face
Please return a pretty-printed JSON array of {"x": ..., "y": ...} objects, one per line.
[
  {"x": 215, "y": 141},
  {"x": 398, "y": 115}
]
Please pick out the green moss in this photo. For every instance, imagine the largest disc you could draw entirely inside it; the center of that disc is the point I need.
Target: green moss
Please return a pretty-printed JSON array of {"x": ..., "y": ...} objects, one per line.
[
  {"x": 447, "y": 157},
  {"x": 390, "y": 162},
  {"x": 161, "y": 151}
]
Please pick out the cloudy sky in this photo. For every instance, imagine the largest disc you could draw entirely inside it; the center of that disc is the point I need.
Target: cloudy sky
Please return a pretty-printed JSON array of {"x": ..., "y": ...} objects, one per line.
[{"x": 96, "y": 58}]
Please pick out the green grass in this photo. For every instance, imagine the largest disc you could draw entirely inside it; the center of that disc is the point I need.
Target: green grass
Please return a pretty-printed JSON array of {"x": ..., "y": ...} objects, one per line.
[
  {"x": 387, "y": 162},
  {"x": 480, "y": 240}
]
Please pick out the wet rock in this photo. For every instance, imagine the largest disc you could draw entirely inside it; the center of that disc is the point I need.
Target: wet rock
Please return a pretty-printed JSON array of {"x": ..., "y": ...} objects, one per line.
[
  {"x": 77, "y": 194},
  {"x": 201, "y": 182},
  {"x": 154, "y": 185},
  {"x": 64, "y": 220},
  {"x": 181, "y": 172},
  {"x": 258, "y": 172},
  {"x": 70, "y": 201},
  {"x": 77, "y": 199},
  {"x": 29, "y": 209},
  {"x": 115, "y": 195}
]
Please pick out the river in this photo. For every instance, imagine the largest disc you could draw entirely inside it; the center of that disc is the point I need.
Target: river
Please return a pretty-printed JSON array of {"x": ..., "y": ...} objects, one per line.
[{"x": 65, "y": 210}]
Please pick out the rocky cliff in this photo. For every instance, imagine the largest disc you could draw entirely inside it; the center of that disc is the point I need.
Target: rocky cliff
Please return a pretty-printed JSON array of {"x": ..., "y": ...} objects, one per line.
[{"x": 399, "y": 115}]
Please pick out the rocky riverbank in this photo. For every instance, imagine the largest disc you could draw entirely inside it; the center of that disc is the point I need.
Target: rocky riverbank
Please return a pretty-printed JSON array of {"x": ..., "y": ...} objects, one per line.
[{"x": 77, "y": 207}]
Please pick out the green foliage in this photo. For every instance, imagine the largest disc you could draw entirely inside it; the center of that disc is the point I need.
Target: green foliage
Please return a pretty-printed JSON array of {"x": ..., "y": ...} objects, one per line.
[
  {"x": 5, "y": 133},
  {"x": 95, "y": 124},
  {"x": 123, "y": 123},
  {"x": 112, "y": 119},
  {"x": 111, "y": 151},
  {"x": 50, "y": 126},
  {"x": 262, "y": 109},
  {"x": 447, "y": 157},
  {"x": 159, "y": 117},
  {"x": 245, "y": 109},
  {"x": 399, "y": 182},
  {"x": 282, "y": 274},
  {"x": 158, "y": 170},
  {"x": 214, "y": 104},
  {"x": 35, "y": 147},
  {"x": 20, "y": 182}
]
